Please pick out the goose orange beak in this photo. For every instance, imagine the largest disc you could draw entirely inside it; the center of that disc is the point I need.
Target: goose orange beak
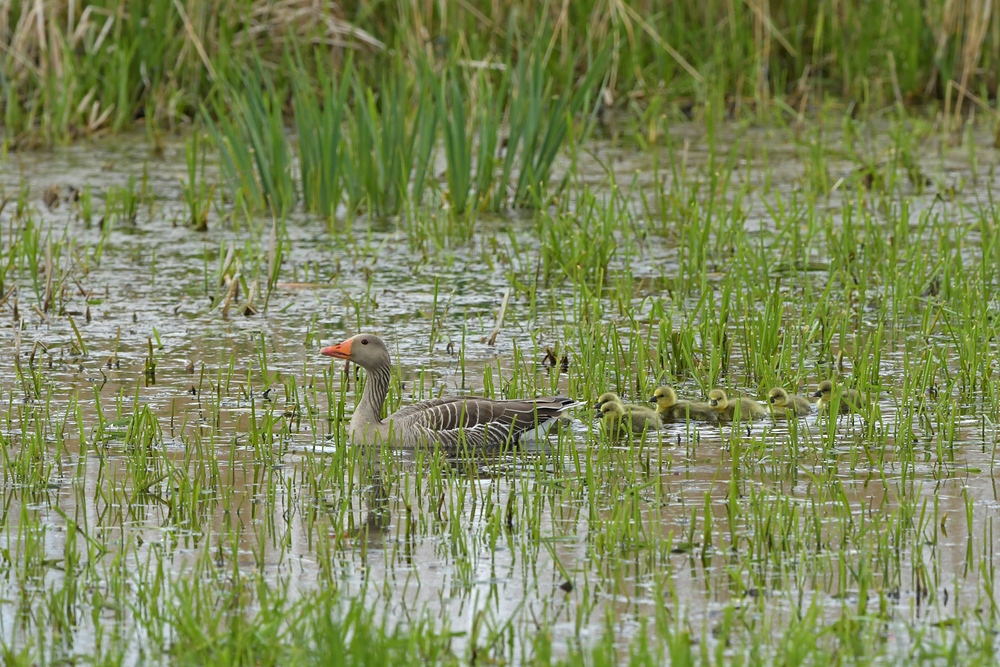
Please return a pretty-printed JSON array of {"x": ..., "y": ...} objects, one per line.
[{"x": 340, "y": 350}]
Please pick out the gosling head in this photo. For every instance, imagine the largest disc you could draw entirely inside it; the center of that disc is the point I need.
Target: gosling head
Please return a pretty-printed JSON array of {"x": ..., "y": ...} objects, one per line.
[
  {"x": 607, "y": 397},
  {"x": 777, "y": 397},
  {"x": 365, "y": 350},
  {"x": 824, "y": 391},
  {"x": 611, "y": 411},
  {"x": 717, "y": 399},
  {"x": 664, "y": 397}
]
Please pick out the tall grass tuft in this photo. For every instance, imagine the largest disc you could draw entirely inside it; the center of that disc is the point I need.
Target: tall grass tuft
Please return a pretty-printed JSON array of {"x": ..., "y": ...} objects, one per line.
[
  {"x": 254, "y": 151},
  {"x": 389, "y": 144},
  {"x": 471, "y": 126},
  {"x": 319, "y": 123},
  {"x": 456, "y": 140},
  {"x": 197, "y": 193},
  {"x": 73, "y": 68},
  {"x": 539, "y": 121}
]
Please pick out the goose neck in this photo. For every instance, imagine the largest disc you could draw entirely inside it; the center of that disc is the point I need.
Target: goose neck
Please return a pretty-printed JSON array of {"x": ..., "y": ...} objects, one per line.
[{"x": 373, "y": 396}]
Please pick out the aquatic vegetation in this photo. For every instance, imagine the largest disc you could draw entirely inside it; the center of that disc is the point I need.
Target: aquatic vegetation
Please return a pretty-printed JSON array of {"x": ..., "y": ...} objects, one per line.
[
  {"x": 73, "y": 69},
  {"x": 319, "y": 123},
  {"x": 254, "y": 151},
  {"x": 197, "y": 192},
  {"x": 387, "y": 143}
]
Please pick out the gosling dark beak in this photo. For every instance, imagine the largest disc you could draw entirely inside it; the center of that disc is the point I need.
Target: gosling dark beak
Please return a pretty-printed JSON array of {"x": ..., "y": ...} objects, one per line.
[
  {"x": 818, "y": 394},
  {"x": 600, "y": 415},
  {"x": 713, "y": 402},
  {"x": 652, "y": 399},
  {"x": 597, "y": 406},
  {"x": 771, "y": 399}
]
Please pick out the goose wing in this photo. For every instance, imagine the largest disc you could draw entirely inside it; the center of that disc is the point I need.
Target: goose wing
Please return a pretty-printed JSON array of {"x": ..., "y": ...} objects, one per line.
[
  {"x": 477, "y": 422},
  {"x": 424, "y": 405}
]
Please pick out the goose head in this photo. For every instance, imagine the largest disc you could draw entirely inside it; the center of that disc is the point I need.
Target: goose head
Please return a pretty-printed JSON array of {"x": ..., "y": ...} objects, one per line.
[
  {"x": 664, "y": 397},
  {"x": 365, "y": 350},
  {"x": 717, "y": 399},
  {"x": 611, "y": 411},
  {"x": 777, "y": 397},
  {"x": 824, "y": 391},
  {"x": 607, "y": 397}
]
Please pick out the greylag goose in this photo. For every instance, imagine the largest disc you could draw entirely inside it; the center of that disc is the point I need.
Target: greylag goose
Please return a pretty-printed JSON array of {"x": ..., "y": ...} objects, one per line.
[
  {"x": 850, "y": 399},
  {"x": 620, "y": 418},
  {"x": 456, "y": 422},
  {"x": 671, "y": 409},
  {"x": 749, "y": 409},
  {"x": 785, "y": 406}
]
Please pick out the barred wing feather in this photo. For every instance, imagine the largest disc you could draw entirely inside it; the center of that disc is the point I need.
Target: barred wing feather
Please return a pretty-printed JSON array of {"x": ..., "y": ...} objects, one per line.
[{"x": 478, "y": 422}]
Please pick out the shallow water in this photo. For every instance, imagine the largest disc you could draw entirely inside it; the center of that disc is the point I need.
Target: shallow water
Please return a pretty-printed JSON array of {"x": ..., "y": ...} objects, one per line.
[{"x": 255, "y": 481}]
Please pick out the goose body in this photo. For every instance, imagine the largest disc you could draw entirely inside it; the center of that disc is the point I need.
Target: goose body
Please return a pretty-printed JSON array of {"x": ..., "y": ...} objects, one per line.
[
  {"x": 671, "y": 409},
  {"x": 850, "y": 399},
  {"x": 618, "y": 417},
  {"x": 785, "y": 406},
  {"x": 726, "y": 407},
  {"x": 454, "y": 422}
]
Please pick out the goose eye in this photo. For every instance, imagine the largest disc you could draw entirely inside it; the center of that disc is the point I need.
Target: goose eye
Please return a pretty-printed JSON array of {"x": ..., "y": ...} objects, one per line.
[{"x": 364, "y": 341}]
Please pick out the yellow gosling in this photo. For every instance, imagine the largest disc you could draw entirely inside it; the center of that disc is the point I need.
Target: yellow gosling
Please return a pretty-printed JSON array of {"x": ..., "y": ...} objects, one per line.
[
  {"x": 612, "y": 397},
  {"x": 726, "y": 408},
  {"x": 784, "y": 406},
  {"x": 617, "y": 417},
  {"x": 671, "y": 409},
  {"x": 850, "y": 399}
]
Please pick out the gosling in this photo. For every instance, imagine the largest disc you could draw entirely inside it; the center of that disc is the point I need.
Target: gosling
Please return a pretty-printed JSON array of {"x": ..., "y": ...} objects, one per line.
[
  {"x": 749, "y": 409},
  {"x": 785, "y": 407},
  {"x": 612, "y": 397},
  {"x": 670, "y": 409},
  {"x": 850, "y": 399},
  {"x": 617, "y": 417}
]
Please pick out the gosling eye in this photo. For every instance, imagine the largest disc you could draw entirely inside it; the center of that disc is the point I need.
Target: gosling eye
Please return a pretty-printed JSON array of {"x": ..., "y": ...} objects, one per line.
[{"x": 364, "y": 341}]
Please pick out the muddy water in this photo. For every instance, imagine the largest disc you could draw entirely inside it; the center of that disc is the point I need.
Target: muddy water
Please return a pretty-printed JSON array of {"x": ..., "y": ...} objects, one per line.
[{"x": 152, "y": 285}]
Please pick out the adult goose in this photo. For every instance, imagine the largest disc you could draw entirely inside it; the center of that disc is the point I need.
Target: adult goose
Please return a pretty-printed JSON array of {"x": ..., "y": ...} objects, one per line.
[{"x": 461, "y": 422}]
